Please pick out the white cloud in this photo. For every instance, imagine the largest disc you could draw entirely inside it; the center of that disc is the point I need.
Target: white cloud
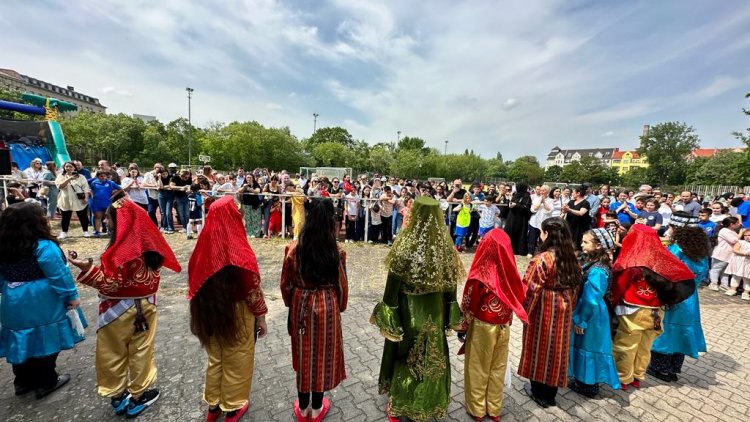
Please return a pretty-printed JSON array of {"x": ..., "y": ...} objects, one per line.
[
  {"x": 120, "y": 92},
  {"x": 511, "y": 103},
  {"x": 438, "y": 70}
]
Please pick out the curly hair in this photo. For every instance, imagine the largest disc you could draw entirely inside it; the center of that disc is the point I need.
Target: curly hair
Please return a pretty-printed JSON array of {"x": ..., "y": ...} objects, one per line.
[
  {"x": 214, "y": 313},
  {"x": 560, "y": 241},
  {"x": 693, "y": 241},
  {"x": 22, "y": 226}
]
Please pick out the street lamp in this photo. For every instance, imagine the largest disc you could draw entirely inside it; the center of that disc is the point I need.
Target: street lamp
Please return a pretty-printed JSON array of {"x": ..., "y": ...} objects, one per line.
[
  {"x": 445, "y": 152},
  {"x": 190, "y": 128},
  {"x": 398, "y": 136},
  {"x": 315, "y": 122}
]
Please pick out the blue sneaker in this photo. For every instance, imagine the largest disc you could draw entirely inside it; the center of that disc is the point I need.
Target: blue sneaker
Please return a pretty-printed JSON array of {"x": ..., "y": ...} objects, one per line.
[
  {"x": 137, "y": 406},
  {"x": 96, "y": 235},
  {"x": 121, "y": 403}
]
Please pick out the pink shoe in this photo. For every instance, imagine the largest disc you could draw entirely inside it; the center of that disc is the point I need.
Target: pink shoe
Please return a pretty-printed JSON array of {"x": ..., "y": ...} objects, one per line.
[
  {"x": 323, "y": 411},
  {"x": 298, "y": 412},
  {"x": 213, "y": 415},
  {"x": 636, "y": 384}
]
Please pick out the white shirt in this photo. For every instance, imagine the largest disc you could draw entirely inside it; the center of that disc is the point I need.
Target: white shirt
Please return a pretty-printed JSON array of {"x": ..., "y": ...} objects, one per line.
[
  {"x": 541, "y": 212},
  {"x": 666, "y": 213},
  {"x": 150, "y": 179},
  {"x": 137, "y": 194}
]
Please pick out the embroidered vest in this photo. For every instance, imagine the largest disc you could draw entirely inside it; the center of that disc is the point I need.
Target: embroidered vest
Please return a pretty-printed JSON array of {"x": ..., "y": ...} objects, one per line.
[{"x": 640, "y": 293}]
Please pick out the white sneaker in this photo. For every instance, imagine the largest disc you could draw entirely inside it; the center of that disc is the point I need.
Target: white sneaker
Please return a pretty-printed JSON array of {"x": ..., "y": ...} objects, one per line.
[
  {"x": 62, "y": 235},
  {"x": 731, "y": 292},
  {"x": 745, "y": 295},
  {"x": 714, "y": 287},
  {"x": 86, "y": 234}
]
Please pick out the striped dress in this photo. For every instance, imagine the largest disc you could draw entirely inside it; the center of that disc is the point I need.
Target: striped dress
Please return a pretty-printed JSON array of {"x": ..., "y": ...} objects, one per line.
[
  {"x": 546, "y": 338},
  {"x": 314, "y": 324}
]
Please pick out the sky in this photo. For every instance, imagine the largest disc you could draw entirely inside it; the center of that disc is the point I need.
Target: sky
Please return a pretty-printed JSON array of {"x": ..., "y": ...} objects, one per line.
[{"x": 515, "y": 77}]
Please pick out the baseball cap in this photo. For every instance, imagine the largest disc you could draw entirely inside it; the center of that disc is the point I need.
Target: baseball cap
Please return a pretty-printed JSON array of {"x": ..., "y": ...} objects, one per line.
[{"x": 172, "y": 165}]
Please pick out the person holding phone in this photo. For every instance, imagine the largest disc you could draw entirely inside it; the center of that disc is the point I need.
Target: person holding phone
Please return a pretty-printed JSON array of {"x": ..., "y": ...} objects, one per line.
[{"x": 73, "y": 196}]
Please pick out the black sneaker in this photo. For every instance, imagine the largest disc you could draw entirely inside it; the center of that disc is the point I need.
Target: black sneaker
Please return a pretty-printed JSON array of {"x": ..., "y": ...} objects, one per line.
[
  {"x": 137, "y": 406},
  {"x": 120, "y": 403},
  {"x": 61, "y": 380},
  {"x": 20, "y": 390}
]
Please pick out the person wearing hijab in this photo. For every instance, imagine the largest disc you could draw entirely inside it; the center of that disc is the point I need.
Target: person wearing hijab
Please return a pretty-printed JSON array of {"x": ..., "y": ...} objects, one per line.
[
  {"x": 647, "y": 277},
  {"x": 591, "y": 360},
  {"x": 517, "y": 222},
  {"x": 227, "y": 309},
  {"x": 418, "y": 305},
  {"x": 492, "y": 294},
  {"x": 315, "y": 289},
  {"x": 127, "y": 280},
  {"x": 683, "y": 334}
]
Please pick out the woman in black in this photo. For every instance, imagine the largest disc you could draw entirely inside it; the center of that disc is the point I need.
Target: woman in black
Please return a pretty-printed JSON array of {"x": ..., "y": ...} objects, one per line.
[
  {"x": 517, "y": 223},
  {"x": 577, "y": 215}
]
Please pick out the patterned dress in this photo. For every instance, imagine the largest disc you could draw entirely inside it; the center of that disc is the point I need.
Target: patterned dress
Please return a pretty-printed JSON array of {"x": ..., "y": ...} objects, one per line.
[
  {"x": 314, "y": 324},
  {"x": 546, "y": 338},
  {"x": 252, "y": 220}
]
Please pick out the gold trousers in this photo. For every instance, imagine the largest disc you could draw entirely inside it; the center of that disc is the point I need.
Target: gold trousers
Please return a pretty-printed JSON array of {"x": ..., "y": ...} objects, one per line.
[
  {"x": 125, "y": 359},
  {"x": 632, "y": 344},
  {"x": 229, "y": 375},
  {"x": 484, "y": 367}
]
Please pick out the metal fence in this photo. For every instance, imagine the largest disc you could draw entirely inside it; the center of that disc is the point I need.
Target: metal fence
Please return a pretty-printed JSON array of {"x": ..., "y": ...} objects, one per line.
[{"x": 714, "y": 190}]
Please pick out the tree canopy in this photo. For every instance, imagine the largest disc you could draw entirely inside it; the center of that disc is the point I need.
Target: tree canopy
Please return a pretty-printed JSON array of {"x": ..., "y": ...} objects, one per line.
[{"x": 667, "y": 145}]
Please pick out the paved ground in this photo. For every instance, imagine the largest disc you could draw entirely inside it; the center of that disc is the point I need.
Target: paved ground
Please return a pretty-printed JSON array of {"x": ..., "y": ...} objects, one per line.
[{"x": 714, "y": 388}]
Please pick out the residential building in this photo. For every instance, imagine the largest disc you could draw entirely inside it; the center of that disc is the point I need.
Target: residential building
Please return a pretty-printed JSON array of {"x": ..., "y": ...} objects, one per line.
[
  {"x": 624, "y": 161},
  {"x": 563, "y": 157},
  {"x": 145, "y": 117},
  {"x": 710, "y": 152},
  {"x": 23, "y": 83}
]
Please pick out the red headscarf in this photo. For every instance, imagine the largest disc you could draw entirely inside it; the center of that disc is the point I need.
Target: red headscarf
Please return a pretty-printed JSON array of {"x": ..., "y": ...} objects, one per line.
[
  {"x": 221, "y": 243},
  {"x": 135, "y": 234},
  {"x": 495, "y": 266},
  {"x": 642, "y": 248}
]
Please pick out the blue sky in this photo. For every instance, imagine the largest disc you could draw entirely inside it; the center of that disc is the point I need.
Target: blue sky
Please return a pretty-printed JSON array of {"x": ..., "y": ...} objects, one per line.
[{"x": 518, "y": 77}]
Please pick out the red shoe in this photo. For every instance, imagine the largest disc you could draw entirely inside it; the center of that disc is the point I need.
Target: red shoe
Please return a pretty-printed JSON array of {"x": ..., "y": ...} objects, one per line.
[
  {"x": 298, "y": 412},
  {"x": 323, "y": 411},
  {"x": 477, "y": 418},
  {"x": 388, "y": 413},
  {"x": 495, "y": 418},
  {"x": 623, "y": 387},
  {"x": 636, "y": 384},
  {"x": 213, "y": 415},
  {"x": 238, "y": 414}
]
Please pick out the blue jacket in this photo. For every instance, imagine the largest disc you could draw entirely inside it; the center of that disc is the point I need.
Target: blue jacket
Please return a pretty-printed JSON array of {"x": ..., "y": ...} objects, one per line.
[
  {"x": 33, "y": 308},
  {"x": 591, "y": 360},
  {"x": 682, "y": 323}
]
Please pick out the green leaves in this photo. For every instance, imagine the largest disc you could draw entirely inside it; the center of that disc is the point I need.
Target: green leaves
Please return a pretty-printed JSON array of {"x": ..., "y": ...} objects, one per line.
[{"x": 667, "y": 145}]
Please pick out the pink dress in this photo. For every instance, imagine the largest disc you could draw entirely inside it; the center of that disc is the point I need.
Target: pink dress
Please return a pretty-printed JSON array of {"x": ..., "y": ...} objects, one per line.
[{"x": 739, "y": 265}]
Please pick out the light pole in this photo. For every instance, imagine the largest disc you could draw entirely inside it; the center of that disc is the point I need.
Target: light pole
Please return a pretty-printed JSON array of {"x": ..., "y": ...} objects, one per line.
[
  {"x": 315, "y": 122},
  {"x": 398, "y": 136},
  {"x": 445, "y": 152},
  {"x": 190, "y": 128}
]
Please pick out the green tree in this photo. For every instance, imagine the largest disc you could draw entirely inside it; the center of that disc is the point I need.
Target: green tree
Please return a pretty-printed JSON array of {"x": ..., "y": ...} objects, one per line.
[
  {"x": 408, "y": 142},
  {"x": 553, "y": 174},
  {"x": 496, "y": 168},
  {"x": 332, "y": 154},
  {"x": 380, "y": 159},
  {"x": 724, "y": 168},
  {"x": 666, "y": 146},
  {"x": 744, "y": 165},
  {"x": 408, "y": 163},
  {"x": 526, "y": 169},
  {"x": 14, "y": 95},
  {"x": 336, "y": 134},
  {"x": 635, "y": 177},
  {"x": 573, "y": 173}
]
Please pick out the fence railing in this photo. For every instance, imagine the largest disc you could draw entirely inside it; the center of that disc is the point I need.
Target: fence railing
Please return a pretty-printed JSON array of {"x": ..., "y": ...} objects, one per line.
[{"x": 714, "y": 190}]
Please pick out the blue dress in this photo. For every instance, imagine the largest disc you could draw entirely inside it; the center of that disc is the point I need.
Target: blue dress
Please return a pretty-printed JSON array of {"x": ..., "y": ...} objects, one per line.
[
  {"x": 682, "y": 323},
  {"x": 591, "y": 360},
  {"x": 33, "y": 307}
]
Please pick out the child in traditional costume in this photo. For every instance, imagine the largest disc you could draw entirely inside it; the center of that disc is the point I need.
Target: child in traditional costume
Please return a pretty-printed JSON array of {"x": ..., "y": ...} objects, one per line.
[
  {"x": 552, "y": 277},
  {"x": 227, "y": 332},
  {"x": 38, "y": 295},
  {"x": 493, "y": 293},
  {"x": 298, "y": 209},
  {"x": 314, "y": 287},
  {"x": 418, "y": 305},
  {"x": 683, "y": 334},
  {"x": 646, "y": 278},
  {"x": 127, "y": 281},
  {"x": 591, "y": 360}
]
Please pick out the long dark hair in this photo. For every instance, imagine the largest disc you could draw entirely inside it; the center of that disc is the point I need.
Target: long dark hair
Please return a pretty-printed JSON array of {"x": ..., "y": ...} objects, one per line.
[
  {"x": 22, "y": 226},
  {"x": 213, "y": 310},
  {"x": 152, "y": 259},
  {"x": 317, "y": 252},
  {"x": 560, "y": 241}
]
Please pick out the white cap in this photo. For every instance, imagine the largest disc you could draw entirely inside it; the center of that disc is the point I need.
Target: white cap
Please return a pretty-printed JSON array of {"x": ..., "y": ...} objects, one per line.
[{"x": 172, "y": 165}]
